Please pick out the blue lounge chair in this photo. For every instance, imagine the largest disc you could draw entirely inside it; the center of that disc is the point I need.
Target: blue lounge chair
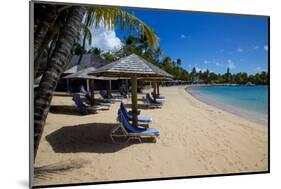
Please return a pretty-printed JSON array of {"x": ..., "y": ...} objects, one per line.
[
  {"x": 142, "y": 119},
  {"x": 157, "y": 96},
  {"x": 156, "y": 99},
  {"x": 83, "y": 90},
  {"x": 106, "y": 104},
  {"x": 83, "y": 109},
  {"x": 79, "y": 104},
  {"x": 125, "y": 129},
  {"x": 123, "y": 92},
  {"x": 104, "y": 95},
  {"x": 86, "y": 93},
  {"x": 151, "y": 102}
]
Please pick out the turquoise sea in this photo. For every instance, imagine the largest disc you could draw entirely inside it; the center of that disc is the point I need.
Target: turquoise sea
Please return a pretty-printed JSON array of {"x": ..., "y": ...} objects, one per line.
[{"x": 250, "y": 102}]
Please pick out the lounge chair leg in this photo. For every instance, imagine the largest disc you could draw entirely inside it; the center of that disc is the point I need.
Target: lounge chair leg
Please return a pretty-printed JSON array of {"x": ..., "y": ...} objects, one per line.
[
  {"x": 138, "y": 138},
  {"x": 112, "y": 134}
]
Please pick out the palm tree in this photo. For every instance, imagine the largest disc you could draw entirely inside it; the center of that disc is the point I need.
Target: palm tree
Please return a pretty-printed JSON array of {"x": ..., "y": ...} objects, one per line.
[
  {"x": 47, "y": 22},
  {"x": 178, "y": 62},
  {"x": 51, "y": 76},
  {"x": 109, "y": 17},
  {"x": 42, "y": 29}
]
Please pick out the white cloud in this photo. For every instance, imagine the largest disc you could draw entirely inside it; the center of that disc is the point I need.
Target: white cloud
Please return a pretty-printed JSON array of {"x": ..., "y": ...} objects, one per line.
[
  {"x": 106, "y": 40},
  {"x": 260, "y": 69},
  {"x": 207, "y": 62},
  {"x": 265, "y": 48},
  {"x": 256, "y": 47},
  {"x": 200, "y": 69},
  {"x": 230, "y": 64},
  {"x": 240, "y": 49},
  {"x": 183, "y": 36},
  {"x": 218, "y": 64}
]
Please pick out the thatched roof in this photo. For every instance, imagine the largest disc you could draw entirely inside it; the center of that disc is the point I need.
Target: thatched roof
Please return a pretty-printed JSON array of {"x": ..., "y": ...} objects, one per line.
[
  {"x": 72, "y": 70},
  {"x": 83, "y": 74},
  {"x": 130, "y": 66},
  {"x": 88, "y": 60}
]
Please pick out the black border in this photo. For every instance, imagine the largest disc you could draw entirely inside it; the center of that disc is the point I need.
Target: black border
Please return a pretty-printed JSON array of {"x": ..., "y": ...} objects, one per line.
[{"x": 32, "y": 2}]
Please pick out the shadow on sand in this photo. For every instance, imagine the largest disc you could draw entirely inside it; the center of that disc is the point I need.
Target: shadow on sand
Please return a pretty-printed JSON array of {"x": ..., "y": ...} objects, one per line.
[
  {"x": 47, "y": 171},
  {"x": 140, "y": 106},
  {"x": 67, "y": 110},
  {"x": 92, "y": 137}
]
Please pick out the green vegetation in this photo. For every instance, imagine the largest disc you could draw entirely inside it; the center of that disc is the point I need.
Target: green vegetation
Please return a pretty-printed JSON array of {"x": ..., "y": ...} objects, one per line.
[{"x": 237, "y": 78}]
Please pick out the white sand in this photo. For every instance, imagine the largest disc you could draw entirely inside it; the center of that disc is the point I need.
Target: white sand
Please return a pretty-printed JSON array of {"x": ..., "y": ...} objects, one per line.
[{"x": 195, "y": 139}]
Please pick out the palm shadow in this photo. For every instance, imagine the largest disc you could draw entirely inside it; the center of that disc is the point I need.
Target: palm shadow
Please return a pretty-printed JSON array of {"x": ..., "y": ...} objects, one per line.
[
  {"x": 62, "y": 94},
  {"x": 92, "y": 138},
  {"x": 47, "y": 171},
  {"x": 140, "y": 106},
  {"x": 67, "y": 109}
]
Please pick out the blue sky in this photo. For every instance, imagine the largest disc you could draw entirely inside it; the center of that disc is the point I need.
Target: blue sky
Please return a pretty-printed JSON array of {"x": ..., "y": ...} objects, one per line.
[{"x": 207, "y": 41}]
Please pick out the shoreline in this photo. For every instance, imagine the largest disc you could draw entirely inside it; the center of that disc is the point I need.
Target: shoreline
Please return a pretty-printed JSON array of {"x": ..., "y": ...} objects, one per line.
[{"x": 256, "y": 117}]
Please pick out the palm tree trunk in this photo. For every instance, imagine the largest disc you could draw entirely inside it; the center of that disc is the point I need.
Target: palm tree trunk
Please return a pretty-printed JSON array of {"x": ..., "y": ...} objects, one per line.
[
  {"x": 52, "y": 47},
  {"x": 52, "y": 75},
  {"x": 41, "y": 32},
  {"x": 84, "y": 43},
  {"x": 48, "y": 38},
  {"x": 82, "y": 53}
]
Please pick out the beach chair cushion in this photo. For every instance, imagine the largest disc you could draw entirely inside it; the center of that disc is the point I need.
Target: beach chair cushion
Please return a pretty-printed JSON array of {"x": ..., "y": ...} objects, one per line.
[
  {"x": 103, "y": 94},
  {"x": 156, "y": 100},
  {"x": 128, "y": 116},
  {"x": 157, "y": 96},
  {"x": 80, "y": 105},
  {"x": 109, "y": 96},
  {"x": 83, "y": 90},
  {"x": 152, "y": 101},
  {"x": 86, "y": 93},
  {"x": 136, "y": 131}
]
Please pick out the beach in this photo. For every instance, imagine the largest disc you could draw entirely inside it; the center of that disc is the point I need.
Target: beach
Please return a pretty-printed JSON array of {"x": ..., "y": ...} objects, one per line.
[{"x": 195, "y": 139}]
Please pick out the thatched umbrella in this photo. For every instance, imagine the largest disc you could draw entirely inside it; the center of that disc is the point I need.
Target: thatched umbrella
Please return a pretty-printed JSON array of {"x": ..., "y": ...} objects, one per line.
[
  {"x": 156, "y": 81},
  {"x": 134, "y": 67},
  {"x": 84, "y": 74}
]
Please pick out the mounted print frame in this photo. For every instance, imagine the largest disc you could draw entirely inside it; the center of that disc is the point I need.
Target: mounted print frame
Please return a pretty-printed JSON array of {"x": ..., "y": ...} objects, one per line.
[{"x": 128, "y": 94}]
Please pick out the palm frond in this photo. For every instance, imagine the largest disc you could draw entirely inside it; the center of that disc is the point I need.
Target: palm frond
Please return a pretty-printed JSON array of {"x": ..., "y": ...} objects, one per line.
[
  {"x": 87, "y": 33},
  {"x": 110, "y": 18}
]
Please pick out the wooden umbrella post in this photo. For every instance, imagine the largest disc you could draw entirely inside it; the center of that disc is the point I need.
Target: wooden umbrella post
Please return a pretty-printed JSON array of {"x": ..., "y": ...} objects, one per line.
[
  {"x": 154, "y": 90},
  {"x": 67, "y": 85},
  {"x": 92, "y": 92},
  {"x": 157, "y": 89},
  {"x": 127, "y": 87},
  {"x": 88, "y": 85},
  {"x": 134, "y": 101},
  {"x": 107, "y": 88},
  {"x": 110, "y": 86}
]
